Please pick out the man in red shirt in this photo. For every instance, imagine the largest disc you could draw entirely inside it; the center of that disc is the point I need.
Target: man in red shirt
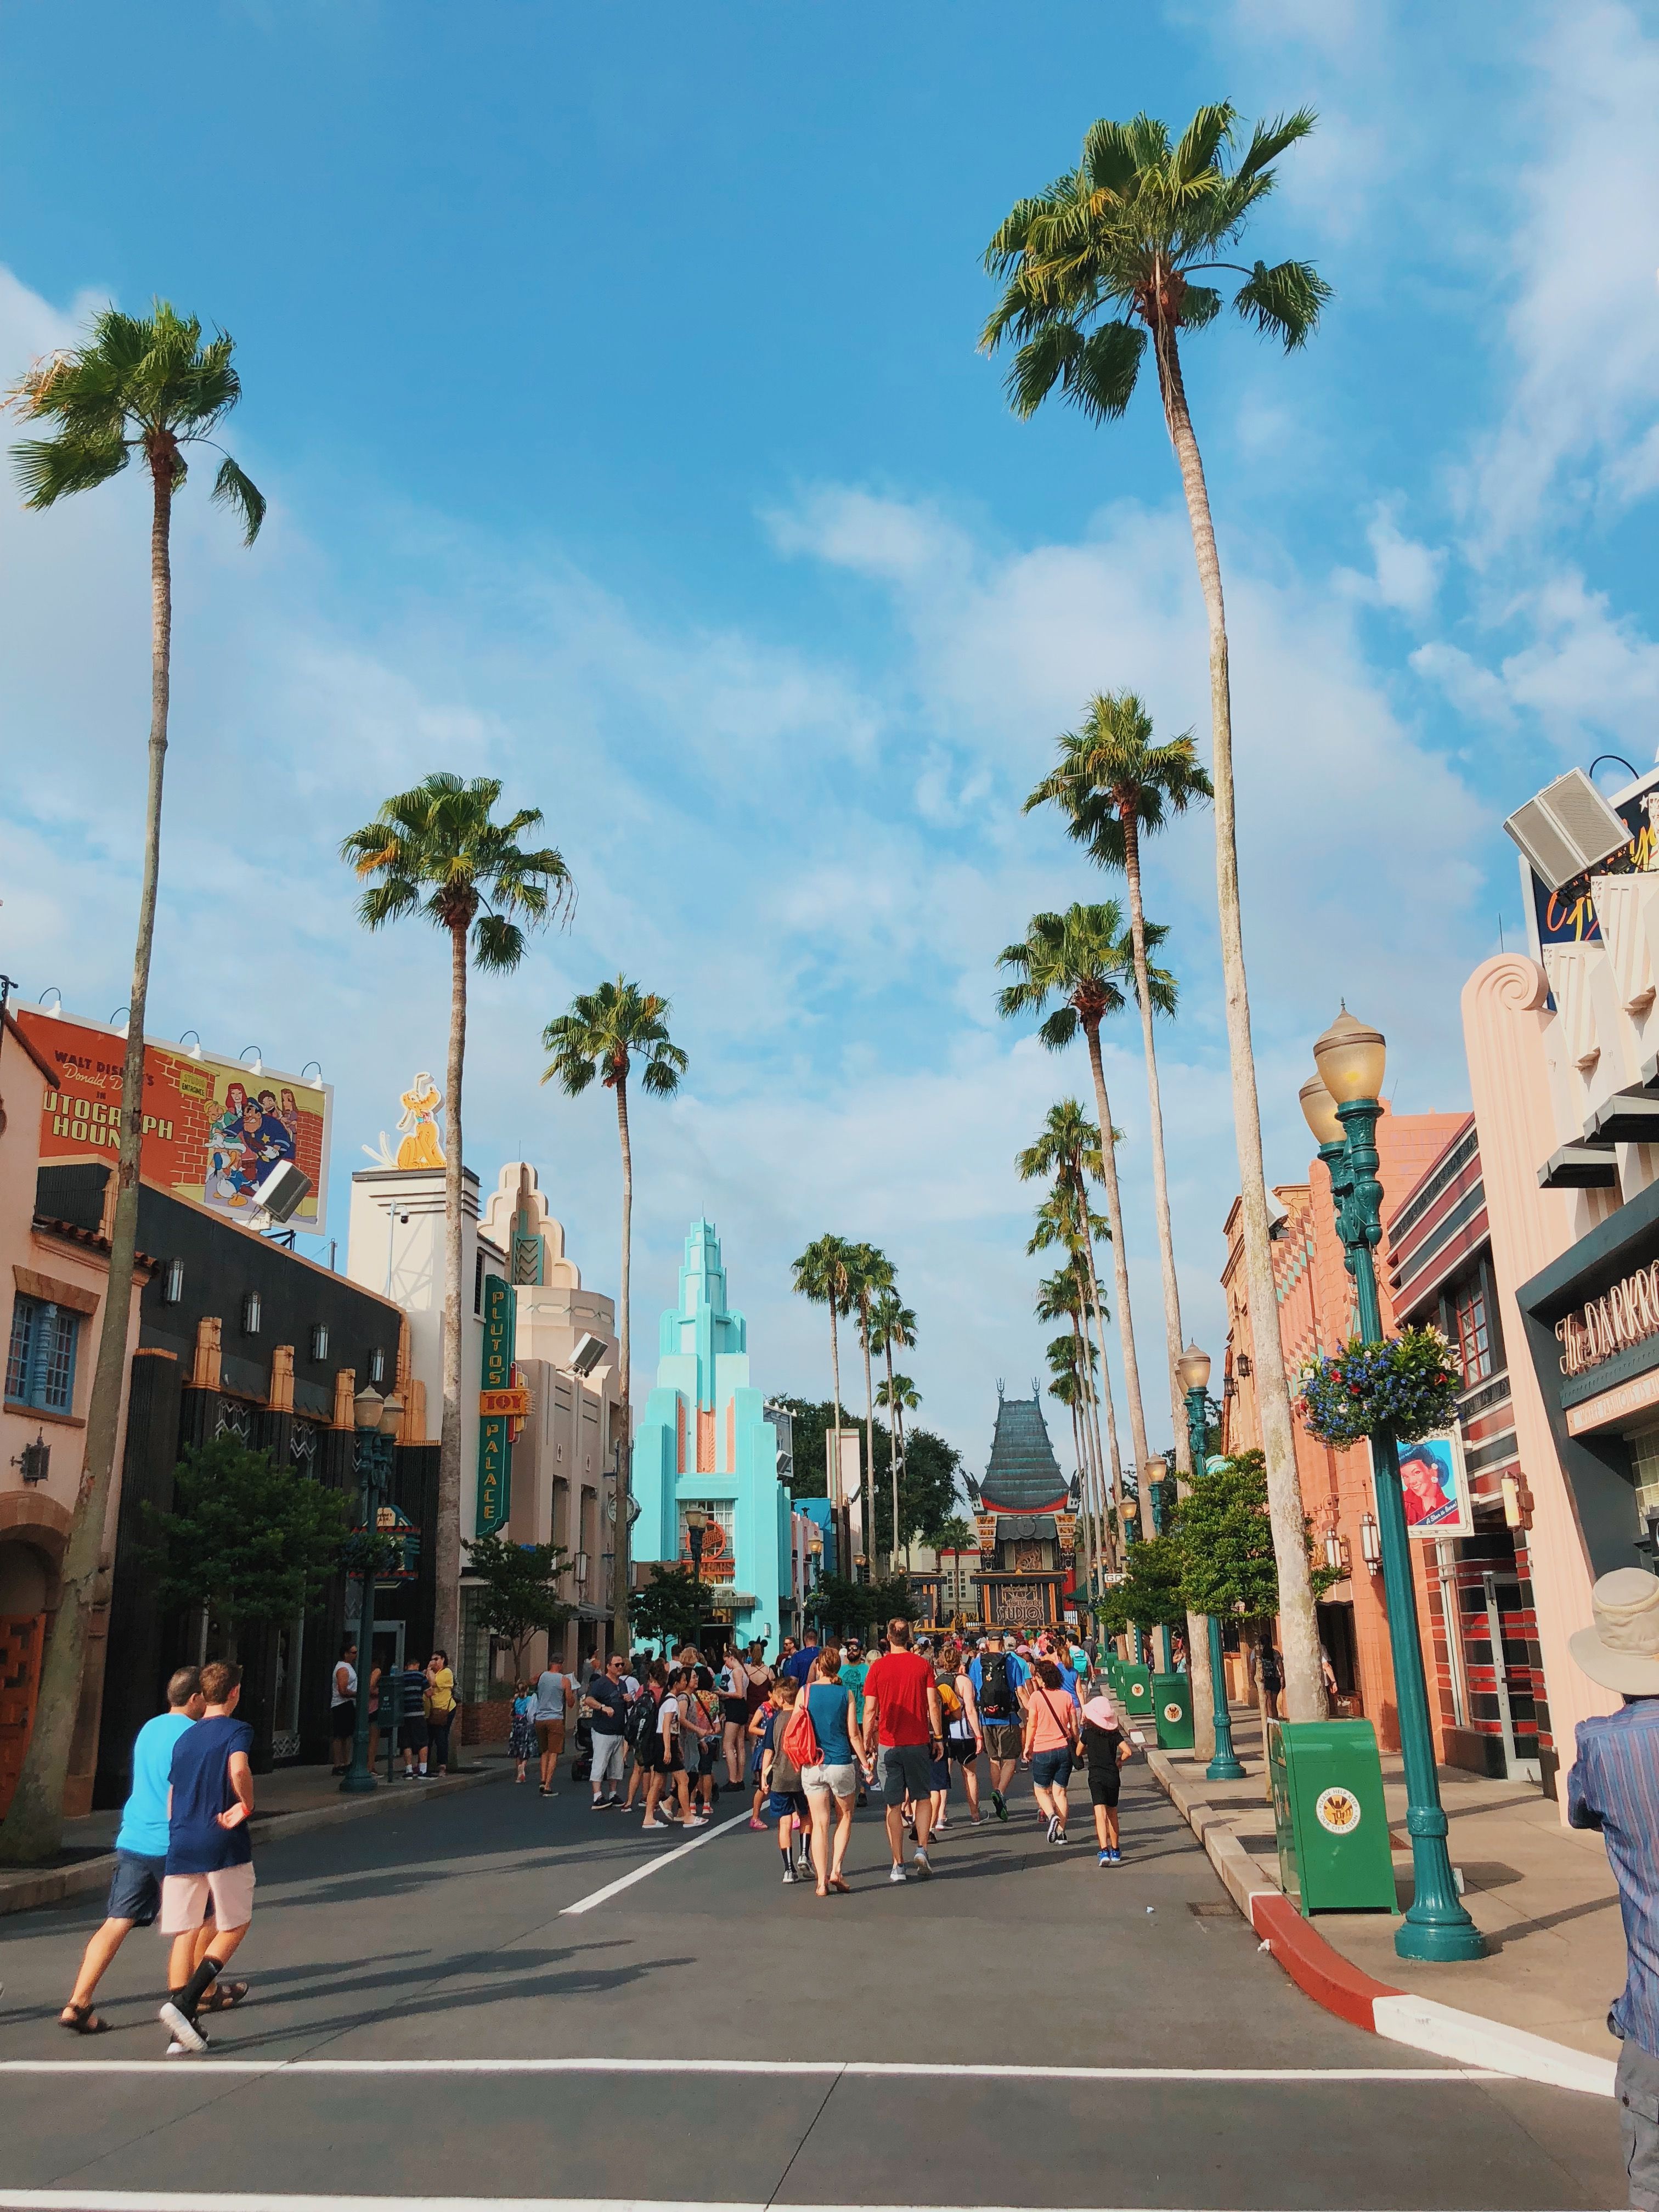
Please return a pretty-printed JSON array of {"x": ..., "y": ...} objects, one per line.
[{"x": 902, "y": 1717}]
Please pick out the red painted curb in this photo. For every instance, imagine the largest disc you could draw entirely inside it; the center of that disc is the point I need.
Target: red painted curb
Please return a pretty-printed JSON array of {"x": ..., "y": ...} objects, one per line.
[{"x": 1323, "y": 1973}]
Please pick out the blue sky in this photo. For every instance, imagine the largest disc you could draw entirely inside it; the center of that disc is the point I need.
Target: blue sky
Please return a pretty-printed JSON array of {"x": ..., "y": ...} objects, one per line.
[{"x": 611, "y": 375}]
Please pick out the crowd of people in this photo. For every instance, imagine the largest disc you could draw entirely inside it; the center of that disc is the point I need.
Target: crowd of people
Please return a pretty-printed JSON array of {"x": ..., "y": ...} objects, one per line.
[
  {"x": 810, "y": 1738},
  {"x": 803, "y": 1742}
]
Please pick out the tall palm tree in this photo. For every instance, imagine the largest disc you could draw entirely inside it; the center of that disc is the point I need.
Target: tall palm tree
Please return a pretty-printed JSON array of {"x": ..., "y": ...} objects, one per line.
[
  {"x": 1081, "y": 958},
  {"x": 1063, "y": 1295},
  {"x": 1106, "y": 255},
  {"x": 873, "y": 1274},
  {"x": 824, "y": 1274},
  {"x": 142, "y": 386},
  {"x": 1064, "y": 1219},
  {"x": 900, "y": 1396},
  {"x": 1065, "y": 1365},
  {"x": 604, "y": 1034},
  {"x": 895, "y": 1327},
  {"x": 1115, "y": 786},
  {"x": 1069, "y": 1149},
  {"x": 437, "y": 850}
]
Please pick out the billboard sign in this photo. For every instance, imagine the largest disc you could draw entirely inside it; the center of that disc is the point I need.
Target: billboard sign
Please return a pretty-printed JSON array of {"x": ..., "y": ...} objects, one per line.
[
  {"x": 1568, "y": 916},
  {"x": 213, "y": 1130},
  {"x": 495, "y": 1429}
]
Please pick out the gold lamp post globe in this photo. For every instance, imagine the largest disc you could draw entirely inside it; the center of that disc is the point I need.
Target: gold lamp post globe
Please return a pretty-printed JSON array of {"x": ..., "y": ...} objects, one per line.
[
  {"x": 1194, "y": 1369},
  {"x": 366, "y": 1407},
  {"x": 1319, "y": 1111},
  {"x": 1350, "y": 1058}
]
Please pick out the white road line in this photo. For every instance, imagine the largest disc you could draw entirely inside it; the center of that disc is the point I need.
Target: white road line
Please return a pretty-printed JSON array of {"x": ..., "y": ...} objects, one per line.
[
  {"x": 186, "y": 2069},
  {"x": 654, "y": 1866}
]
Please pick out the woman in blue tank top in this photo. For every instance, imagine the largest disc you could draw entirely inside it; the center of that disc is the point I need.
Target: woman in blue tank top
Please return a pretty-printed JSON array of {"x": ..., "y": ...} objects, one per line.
[{"x": 832, "y": 1784}]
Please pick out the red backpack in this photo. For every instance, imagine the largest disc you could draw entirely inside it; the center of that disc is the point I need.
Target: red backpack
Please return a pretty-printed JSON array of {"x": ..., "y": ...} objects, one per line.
[{"x": 799, "y": 1744}]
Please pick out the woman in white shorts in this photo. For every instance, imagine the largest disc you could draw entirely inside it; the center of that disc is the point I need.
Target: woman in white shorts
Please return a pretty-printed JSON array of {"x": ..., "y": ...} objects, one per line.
[{"x": 831, "y": 1786}]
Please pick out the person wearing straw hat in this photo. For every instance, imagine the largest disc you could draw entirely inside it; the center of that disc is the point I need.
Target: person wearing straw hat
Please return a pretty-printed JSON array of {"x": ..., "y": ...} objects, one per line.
[{"x": 1615, "y": 1786}]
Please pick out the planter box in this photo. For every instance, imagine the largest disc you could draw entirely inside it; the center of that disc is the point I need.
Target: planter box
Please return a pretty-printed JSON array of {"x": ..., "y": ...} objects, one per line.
[{"x": 490, "y": 1722}]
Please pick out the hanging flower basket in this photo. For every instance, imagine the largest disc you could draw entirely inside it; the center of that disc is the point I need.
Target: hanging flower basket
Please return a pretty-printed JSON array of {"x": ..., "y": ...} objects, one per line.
[{"x": 1409, "y": 1385}]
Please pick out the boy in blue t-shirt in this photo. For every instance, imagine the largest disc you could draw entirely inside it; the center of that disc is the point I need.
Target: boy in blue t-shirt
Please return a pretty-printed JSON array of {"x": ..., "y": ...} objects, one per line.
[
  {"x": 209, "y": 1861},
  {"x": 141, "y": 1848}
]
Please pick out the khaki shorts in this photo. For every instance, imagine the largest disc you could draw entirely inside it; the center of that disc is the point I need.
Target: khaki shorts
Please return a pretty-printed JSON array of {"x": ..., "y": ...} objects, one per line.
[
  {"x": 185, "y": 1898},
  {"x": 550, "y": 1735},
  {"x": 1003, "y": 1738}
]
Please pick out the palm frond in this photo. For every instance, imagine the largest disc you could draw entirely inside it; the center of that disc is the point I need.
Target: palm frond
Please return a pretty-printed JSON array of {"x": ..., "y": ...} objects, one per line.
[
  {"x": 1200, "y": 305},
  {"x": 498, "y": 944},
  {"x": 1101, "y": 377},
  {"x": 1194, "y": 155},
  {"x": 1269, "y": 139},
  {"x": 233, "y": 487},
  {"x": 50, "y": 469},
  {"x": 1284, "y": 301}
]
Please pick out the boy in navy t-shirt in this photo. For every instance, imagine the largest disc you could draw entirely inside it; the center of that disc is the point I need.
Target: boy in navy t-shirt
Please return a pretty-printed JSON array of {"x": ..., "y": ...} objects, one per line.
[{"x": 210, "y": 1857}]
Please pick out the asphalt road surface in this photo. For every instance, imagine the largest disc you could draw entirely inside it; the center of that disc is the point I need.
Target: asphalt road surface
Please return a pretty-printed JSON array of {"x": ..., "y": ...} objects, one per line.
[{"x": 431, "y": 2020}]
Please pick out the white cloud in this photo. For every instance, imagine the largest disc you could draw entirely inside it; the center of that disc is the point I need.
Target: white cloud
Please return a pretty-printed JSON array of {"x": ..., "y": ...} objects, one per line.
[
  {"x": 1586, "y": 670},
  {"x": 1405, "y": 573},
  {"x": 1584, "y": 325}
]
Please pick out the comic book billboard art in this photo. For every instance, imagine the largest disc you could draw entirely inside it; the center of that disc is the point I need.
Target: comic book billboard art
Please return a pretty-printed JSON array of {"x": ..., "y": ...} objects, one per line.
[{"x": 213, "y": 1128}]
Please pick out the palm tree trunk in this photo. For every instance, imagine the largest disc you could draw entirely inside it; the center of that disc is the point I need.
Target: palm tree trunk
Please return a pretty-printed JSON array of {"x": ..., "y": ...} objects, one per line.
[
  {"x": 1120, "y": 1254},
  {"x": 33, "y": 1829},
  {"x": 1098, "y": 1304},
  {"x": 895, "y": 1430},
  {"x": 837, "y": 1489},
  {"x": 446, "y": 1553},
  {"x": 1305, "y": 1688},
  {"x": 621, "y": 1538},
  {"x": 868, "y": 1488},
  {"x": 1203, "y": 1712}
]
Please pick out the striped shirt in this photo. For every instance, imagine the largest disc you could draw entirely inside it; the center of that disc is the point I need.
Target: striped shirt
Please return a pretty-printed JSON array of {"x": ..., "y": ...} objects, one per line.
[{"x": 1615, "y": 1786}]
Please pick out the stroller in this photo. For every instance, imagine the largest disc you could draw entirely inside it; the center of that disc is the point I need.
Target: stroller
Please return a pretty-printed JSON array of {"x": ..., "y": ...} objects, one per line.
[{"x": 581, "y": 1766}]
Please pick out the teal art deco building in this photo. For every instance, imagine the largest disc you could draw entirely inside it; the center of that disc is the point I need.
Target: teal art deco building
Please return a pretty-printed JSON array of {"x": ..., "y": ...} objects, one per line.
[{"x": 703, "y": 1439}]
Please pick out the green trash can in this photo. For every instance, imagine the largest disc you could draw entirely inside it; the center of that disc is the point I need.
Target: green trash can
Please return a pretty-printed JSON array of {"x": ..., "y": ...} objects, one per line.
[
  {"x": 1172, "y": 1701},
  {"x": 1135, "y": 1691},
  {"x": 1334, "y": 1854}
]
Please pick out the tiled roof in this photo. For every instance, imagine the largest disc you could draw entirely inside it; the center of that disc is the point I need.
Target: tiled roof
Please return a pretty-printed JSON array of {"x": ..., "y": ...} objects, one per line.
[{"x": 1022, "y": 1475}]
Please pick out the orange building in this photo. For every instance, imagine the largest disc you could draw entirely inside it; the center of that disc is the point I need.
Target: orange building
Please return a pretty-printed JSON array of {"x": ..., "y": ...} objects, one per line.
[{"x": 1316, "y": 1313}]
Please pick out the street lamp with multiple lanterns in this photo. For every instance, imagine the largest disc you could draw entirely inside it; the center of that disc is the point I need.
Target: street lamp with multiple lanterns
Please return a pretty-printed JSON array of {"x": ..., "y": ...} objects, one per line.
[
  {"x": 1194, "y": 1370},
  {"x": 1341, "y": 1104}
]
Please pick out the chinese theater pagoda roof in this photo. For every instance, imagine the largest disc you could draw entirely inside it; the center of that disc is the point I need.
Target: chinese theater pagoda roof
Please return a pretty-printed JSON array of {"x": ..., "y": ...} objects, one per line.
[{"x": 1022, "y": 1475}]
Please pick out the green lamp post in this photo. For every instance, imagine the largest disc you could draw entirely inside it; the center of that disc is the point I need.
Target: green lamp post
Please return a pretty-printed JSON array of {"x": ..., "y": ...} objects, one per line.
[
  {"x": 1130, "y": 1510},
  {"x": 375, "y": 1420},
  {"x": 1194, "y": 1370},
  {"x": 1341, "y": 1108}
]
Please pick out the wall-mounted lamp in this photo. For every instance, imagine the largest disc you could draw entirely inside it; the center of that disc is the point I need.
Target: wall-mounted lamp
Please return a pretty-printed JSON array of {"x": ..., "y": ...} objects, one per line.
[
  {"x": 121, "y": 1020},
  {"x": 251, "y": 1310},
  {"x": 172, "y": 1283},
  {"x": 1371, "y": 1543},
  {"x": 1336, "y": 1554},
  {"x": 52, "y": 991},
  {"x": 194, "y": 1050},
  {"x": 320, "y": 1340},
  {"x": 580, "y": 1565},
  {"x": 34, "y": 1461},
  {"x": 258, "y": 1067},
  {"x": 318, "y": 1065},
  {"x": 377, "y": 1365}
]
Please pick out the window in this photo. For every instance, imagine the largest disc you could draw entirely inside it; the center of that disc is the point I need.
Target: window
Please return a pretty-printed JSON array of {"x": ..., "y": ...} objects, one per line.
[
  {"x": 1644, "y": 1469},
  {"x": 40, "y": 1359},
  {"x": 1471, "y": 1337}
]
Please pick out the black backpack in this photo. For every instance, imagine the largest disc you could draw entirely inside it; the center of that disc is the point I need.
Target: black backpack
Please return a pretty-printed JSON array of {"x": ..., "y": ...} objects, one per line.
[
  {"x": 996, "y": 1699},
  {"x": 641, "y": 1725}
]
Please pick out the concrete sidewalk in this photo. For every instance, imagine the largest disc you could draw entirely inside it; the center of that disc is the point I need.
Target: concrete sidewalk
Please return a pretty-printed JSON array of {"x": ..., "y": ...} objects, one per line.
[
  {"x": 290, "y": 1801},
  {"x": 1542, "y": 1895}
]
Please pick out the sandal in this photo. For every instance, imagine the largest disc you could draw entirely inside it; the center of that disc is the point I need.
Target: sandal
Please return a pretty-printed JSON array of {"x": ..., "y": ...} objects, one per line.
[
  {"x": 222, "y": 1996},
  {"x": 81, "y": 2019}
]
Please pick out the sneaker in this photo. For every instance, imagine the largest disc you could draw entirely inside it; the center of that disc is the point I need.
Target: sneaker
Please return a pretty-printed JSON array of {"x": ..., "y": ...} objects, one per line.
[
  {"x": 186, "y": 2036},
  {"x": 1059, "y": 1835},
  {"x": 1115, "y": 1856},
  {"x": 1054, "y": 1827},
  {"x": 804, "y": 1865},
  {"x": 755, "y": 1821},
  {"x": 790, "y": 1876},
  {"x": 997, "y": 1805},
  {"x": 1105, "y": 1859},
  {"x": 898, "y": 1875},
  {"x": 939, "y": 1825},
  {"x": 598, "y": 1806},
  {"x": 920, "y": 1868}
]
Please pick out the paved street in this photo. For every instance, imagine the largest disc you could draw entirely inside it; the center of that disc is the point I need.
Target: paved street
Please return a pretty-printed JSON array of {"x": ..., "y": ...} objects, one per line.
[{"x": 429, "y": 2018}]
